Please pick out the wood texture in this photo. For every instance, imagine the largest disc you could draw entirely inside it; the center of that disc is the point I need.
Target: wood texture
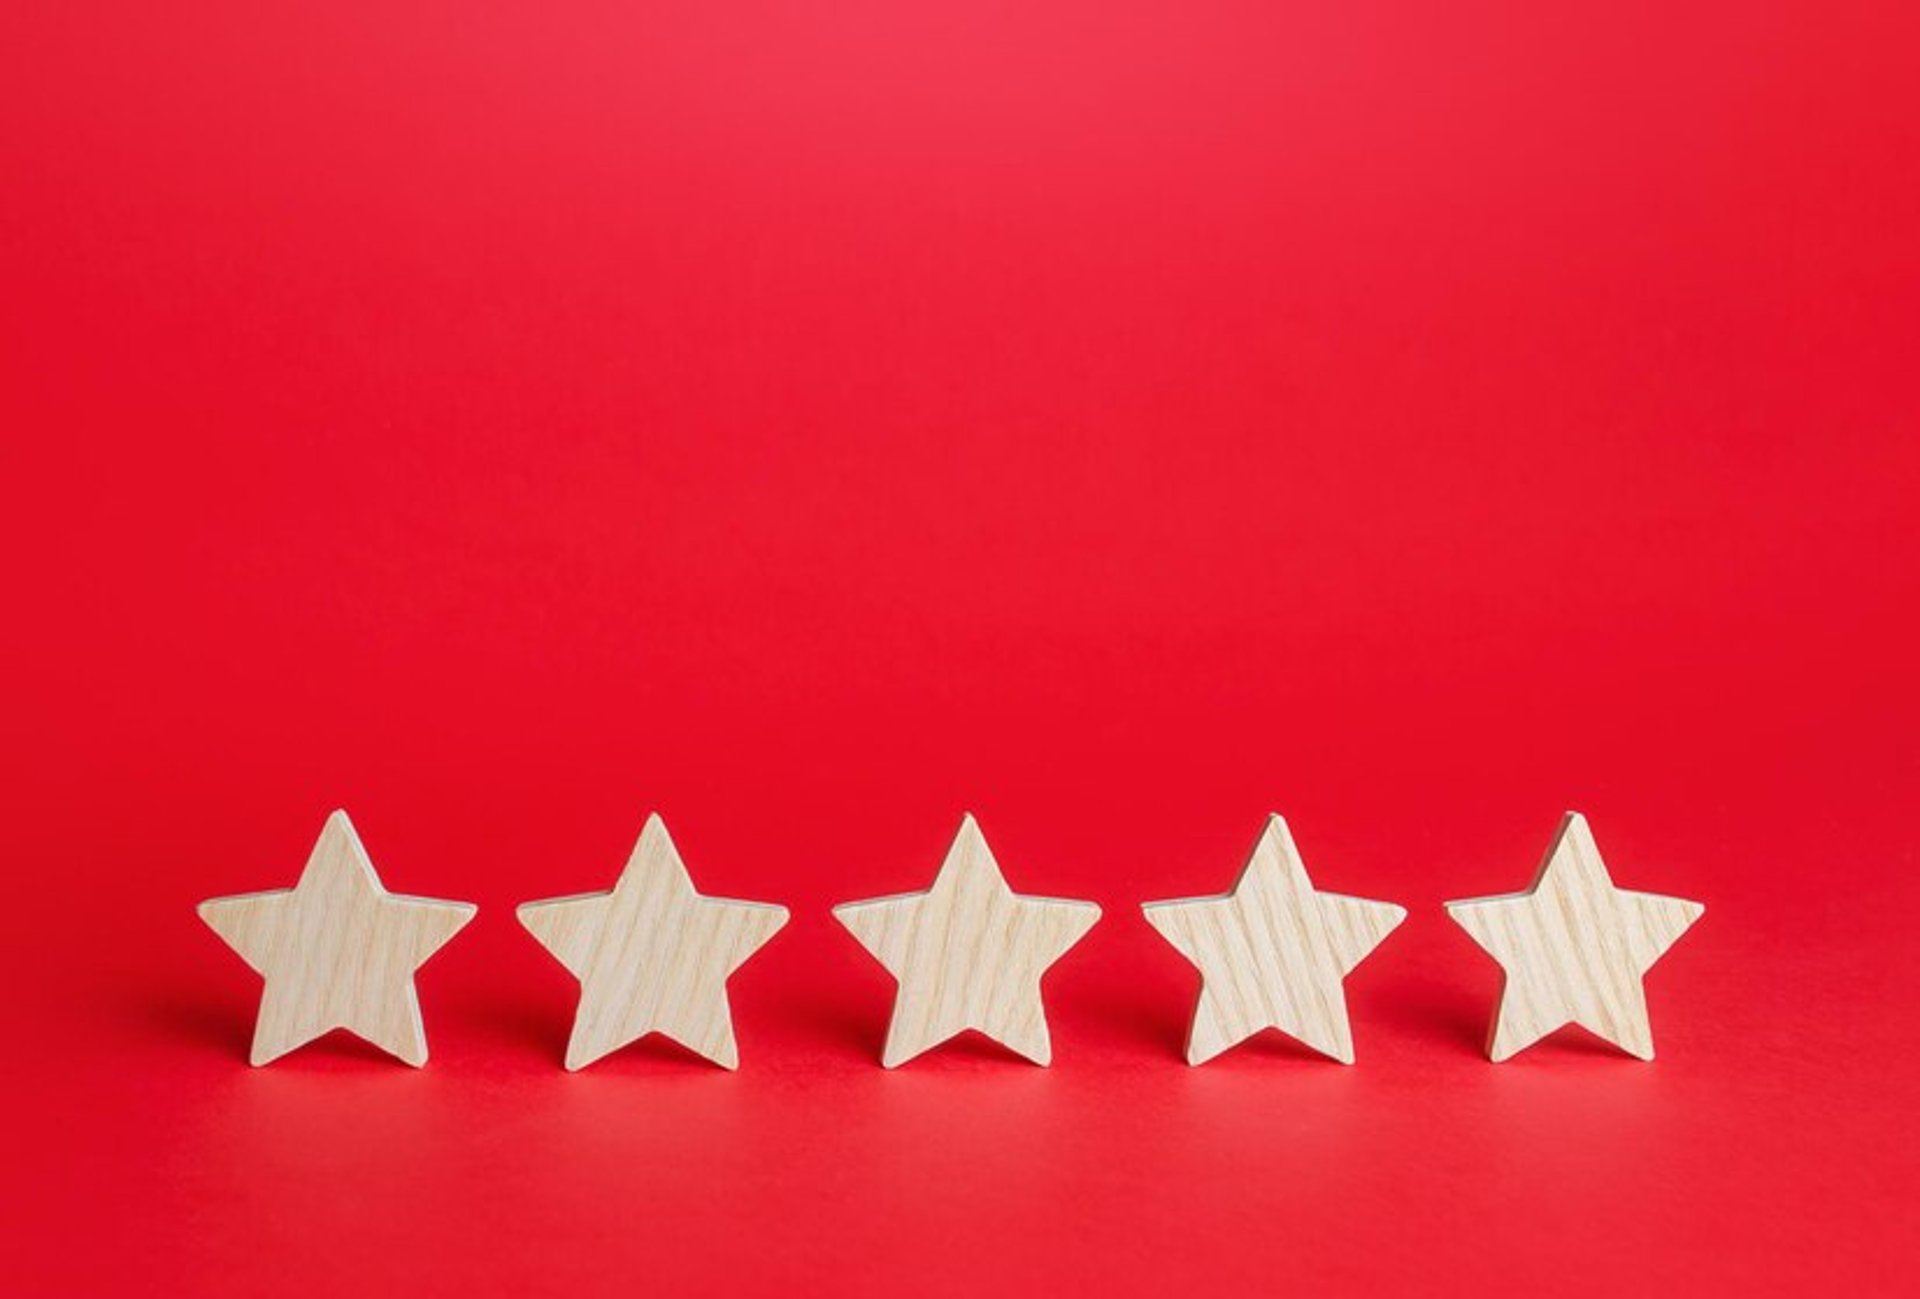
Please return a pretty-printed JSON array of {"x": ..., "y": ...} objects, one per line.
[
  {"x": 1574, "y": 948},
  {"x": 968, "y": 953},
  {"x": 652, "y": 955},
  {"x": 1273, "y": 952},
  {"x": 337, "y": 950}
]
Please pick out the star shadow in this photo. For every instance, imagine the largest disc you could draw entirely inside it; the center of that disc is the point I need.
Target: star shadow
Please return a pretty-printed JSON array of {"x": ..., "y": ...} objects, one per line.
[
  {"x": 337, "y": 1048},
  {"x": 1572, "y": 1040},
  {"x": 1270, "y": 1046},
  {"x": 224, "y": 1026},
  {"x": 651, "y": 1056},
  {"x": 845, "y": 1025},
  {"x": 1453, "y": 1016},
  {"x": 196, "y": 1021},
  {"x": 969, "y": 1051},
  {"x": 528, "y": 1024},
  {"x": 536, "y": 1027},
  {"x": 1137, "y": 1023}
]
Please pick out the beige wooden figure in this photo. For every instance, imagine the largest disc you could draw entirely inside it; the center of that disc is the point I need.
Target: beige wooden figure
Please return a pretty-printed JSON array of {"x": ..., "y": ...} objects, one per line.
[
  {"x": 652, "y": 955},
  {"x": 1574, "y": 948},
  {"x": 1273, "y": 952},
  {"x": 968, "y": 953},
  {"x": 337, "y": 950}
]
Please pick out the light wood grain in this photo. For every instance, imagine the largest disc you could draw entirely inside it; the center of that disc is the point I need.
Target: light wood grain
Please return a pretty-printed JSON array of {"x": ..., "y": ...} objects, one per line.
[
  {"x": 968, "y": 953},
  {"x": 1273, "y": 952},
  {"x": 337, "y": 950},
  {"x": 1574, "y": 948},
  {"x": 652, "y": 955}
]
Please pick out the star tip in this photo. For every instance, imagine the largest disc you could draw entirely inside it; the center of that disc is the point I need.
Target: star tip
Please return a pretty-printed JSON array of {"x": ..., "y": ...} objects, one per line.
[
  {"x": 1278, "y": 833},
  {"x": 1499, "y": 1049}
]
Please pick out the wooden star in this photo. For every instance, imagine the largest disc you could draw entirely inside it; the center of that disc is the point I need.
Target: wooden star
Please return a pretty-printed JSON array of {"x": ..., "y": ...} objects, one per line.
[
  {"x": 337, "y": 950},
  {"x": 968, "y": 953},
  {"x": 652, "y": 955},
  {"x": 1273, "y": 952},
  {"x": 1574, "y": 947}
]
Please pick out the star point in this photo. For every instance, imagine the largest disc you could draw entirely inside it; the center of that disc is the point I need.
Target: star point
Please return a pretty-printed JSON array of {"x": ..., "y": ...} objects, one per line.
[
  {"x": 337, "y": 950},
  {"x": 1273, "y": 952},
  {"x": 968, "y": 953},
  {"x": 652, "y": 954},
  {"x": 1574, "y": 948}
]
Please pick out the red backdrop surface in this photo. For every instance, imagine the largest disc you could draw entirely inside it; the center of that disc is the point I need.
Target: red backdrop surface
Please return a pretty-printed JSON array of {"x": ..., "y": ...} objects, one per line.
[{"x": 812, "y": 422}]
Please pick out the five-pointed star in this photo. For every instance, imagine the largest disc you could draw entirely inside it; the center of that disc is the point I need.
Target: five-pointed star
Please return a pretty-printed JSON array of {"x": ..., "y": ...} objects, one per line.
[
  {"x": 337, "y": 950},
  {"x": 968, "y": 953},
  {"x": 1273, "y": 952},
  {"x": 1574, "y": 947},
  {"x": 652, "y": 955}
]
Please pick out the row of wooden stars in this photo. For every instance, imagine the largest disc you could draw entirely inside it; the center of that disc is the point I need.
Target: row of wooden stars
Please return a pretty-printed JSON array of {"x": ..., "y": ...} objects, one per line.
[{"x": 653, "y": 955}]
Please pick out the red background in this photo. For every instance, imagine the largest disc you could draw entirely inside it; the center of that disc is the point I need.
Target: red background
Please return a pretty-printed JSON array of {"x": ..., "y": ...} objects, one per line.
[{"x": 1120, "y": 420}]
